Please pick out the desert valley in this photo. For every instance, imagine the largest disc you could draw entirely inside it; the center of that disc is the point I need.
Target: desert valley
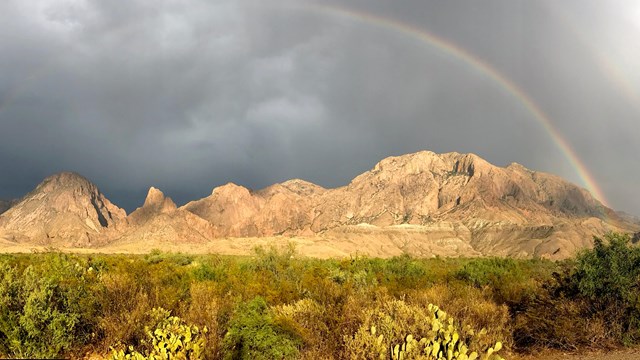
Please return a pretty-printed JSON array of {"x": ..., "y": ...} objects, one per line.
[{"x": 319, "y": 180}]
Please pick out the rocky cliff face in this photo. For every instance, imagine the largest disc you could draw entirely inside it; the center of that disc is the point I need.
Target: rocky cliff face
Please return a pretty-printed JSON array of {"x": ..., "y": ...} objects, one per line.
[
  {"x": 159, "y": 221},
  {"x": 423, "y": 203},
  {"x": 502, "y": 211},
  {"x": 281, "y": 209},
  {"x": 64, "y": 210}
]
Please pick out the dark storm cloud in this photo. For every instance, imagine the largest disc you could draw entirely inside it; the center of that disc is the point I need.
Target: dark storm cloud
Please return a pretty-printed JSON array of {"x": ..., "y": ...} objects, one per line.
[{"x": 188, "y": 95}]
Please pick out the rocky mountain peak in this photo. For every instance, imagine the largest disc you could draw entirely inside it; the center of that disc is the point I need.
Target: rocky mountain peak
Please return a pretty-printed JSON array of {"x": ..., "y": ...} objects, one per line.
[
  {"x": 302, "y": 187},
  {"x": 231, "y": 190},
  {"x": 468, "y": 164},
  {"x": 430, "y": 162},
  {"x": 155, "y": 204},
  {"x": 409, "y": 164},
  {"x": 66, "y": 181},
  {"x": 65, "y": 207},
  {"x": 156, "y": 199},
  {"x": 517, "y": 166}
]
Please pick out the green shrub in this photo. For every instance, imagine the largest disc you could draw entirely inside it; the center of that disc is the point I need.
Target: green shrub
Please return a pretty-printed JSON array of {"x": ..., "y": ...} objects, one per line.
[
  {"x": 48, "y": 308},
  {"x": 253, "y": 334},
  {"x": 511, "y": 282},
  {"x": 170, "y": 338},
  {"x": 490, "y": 271},
  {"x": 308, "y": 320},
  {"x": 406, "y": 272},
  {"x": 206, "y": 271},
  {"x": 156, "y": 256},
  {"x": 608, "y": 277},
  {"x": 610, "y": 272},
  {"x": 595, "y": 300}
]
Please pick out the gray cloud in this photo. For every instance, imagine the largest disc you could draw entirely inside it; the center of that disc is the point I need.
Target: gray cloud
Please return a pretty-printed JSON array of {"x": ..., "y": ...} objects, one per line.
[{"x": 188, "y": 95}]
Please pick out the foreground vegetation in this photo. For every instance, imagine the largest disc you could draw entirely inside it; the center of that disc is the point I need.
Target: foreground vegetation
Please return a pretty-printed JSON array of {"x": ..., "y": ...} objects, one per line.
[{"x": 275, "y": 305}]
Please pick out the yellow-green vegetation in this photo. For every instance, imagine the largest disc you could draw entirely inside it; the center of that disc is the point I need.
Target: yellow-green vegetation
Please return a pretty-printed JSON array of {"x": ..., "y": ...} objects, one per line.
[
  {"x": 438, "y": 336},
  {"x": 595, "y": 300},
  {"x": 276, "y": 305},
  {"x": 170, "y": 338}
]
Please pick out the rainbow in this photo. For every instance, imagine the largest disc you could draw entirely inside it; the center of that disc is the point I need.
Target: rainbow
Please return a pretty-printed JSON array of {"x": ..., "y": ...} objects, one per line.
[
  {"x": 431, "y": 40},
  {"x": 475, "y": 63}
]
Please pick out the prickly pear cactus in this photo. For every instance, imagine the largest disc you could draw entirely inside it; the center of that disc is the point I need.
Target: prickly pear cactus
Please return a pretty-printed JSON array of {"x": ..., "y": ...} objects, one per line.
[
  {"x": 440, "y": 339},
  {"x": 442, "y": 343},
  {"x": 171, "y": 339}
]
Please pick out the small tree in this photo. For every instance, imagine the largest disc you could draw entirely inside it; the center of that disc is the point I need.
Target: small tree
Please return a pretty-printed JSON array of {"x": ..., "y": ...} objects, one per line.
[
  {"x": 253, "y": 334},
  {"x": 608, "y": 276},
  {"x": 610, "y": 272}
]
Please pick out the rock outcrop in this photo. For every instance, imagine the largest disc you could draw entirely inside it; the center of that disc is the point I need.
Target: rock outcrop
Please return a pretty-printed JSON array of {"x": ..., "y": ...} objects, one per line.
[
  {"x": 281, "y": 209},
  {"x": 499, "y": 211},
  {"x": 158, "y": 221},
  {"x": 64, "y": 210}
]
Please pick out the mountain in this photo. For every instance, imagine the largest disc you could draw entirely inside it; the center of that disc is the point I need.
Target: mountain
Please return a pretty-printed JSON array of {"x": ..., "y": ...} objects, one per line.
[
  {"x": 424, "y": 203},
  {"x": 427, "y": 203},
  {"x": 64, "y": 210},
  {"x": 159, "y": 222},
  {"x": 628, "y": 217},
  {"x": 281, "y": 209}
]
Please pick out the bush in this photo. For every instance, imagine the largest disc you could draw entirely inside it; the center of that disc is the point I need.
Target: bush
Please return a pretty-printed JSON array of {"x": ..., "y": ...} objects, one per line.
[
  {"x": 490, "y": 271},
  {"x": 253, "y": 334},
  {"x": 157, "y": 256},
  {"x": 609, "y": 274},
  {"x": 608, "y": 277},
  {"x": 170, "y": 338},
  {"x": 560, "y": 323},
  {"x": 204, "y": 310},
  {"x": 405, "y": 272},
  {"x": 595, "y": 300},
  {"x": 509, "y": 281},
  {"x": 308, "y": 320},
  {"x": 46, "y": 309},
  {"x": 206, "y": 271},
  {"x": 125, "y": 308}
]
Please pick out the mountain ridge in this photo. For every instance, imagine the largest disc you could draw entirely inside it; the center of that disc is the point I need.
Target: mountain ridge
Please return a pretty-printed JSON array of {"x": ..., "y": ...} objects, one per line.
[{"x": 424, "y": 203}]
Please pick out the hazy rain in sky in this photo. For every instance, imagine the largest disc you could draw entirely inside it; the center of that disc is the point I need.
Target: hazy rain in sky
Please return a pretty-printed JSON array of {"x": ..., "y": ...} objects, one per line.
[{"x": 186, "y": 95}]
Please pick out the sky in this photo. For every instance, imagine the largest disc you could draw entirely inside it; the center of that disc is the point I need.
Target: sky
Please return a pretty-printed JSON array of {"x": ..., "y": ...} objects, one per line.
[{"x": 187, "y": 95}]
